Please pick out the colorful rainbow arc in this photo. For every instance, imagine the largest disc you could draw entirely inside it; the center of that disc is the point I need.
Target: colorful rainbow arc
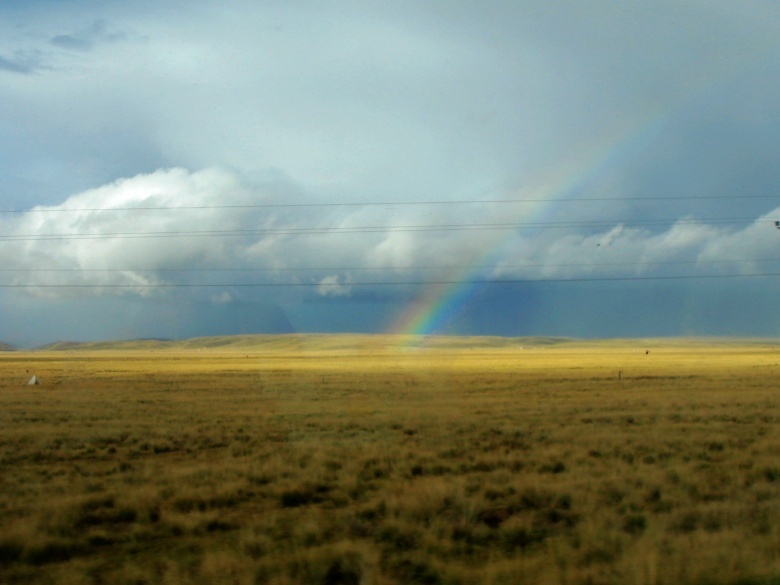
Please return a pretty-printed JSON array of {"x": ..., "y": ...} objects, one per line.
[{"x": 440, "y": 304}]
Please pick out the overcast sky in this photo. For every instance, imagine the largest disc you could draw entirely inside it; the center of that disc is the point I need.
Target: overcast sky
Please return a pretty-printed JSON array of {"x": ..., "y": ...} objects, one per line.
[{"x": 610, "y": 167}]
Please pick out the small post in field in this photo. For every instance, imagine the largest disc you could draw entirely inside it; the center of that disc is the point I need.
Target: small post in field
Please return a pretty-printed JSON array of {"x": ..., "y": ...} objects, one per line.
[{"x": 620, "y": 375}]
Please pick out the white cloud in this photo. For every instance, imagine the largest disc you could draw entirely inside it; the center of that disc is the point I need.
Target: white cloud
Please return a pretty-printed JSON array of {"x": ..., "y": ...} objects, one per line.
[
  {"x": 685, "y": 248},
  {"x": 213, "y": 227},
  {"x": 222, "y": 298},
  {"x": 331, "y": 287},
  {"x": 99, "y": 242}
]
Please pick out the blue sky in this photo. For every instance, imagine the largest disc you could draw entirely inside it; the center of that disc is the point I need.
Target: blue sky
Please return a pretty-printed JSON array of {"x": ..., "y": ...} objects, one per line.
[{"x": 628, "y": 150}]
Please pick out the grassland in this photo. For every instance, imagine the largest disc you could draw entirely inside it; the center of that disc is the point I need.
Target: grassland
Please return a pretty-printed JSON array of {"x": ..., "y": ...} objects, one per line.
[{"x": 356, "y": 460}]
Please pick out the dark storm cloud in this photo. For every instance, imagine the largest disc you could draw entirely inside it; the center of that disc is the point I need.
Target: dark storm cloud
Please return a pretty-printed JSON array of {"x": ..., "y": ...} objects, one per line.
[
  {"x": 302, "y": 103},
  {"x": 24, "y": 62},
  {"x": 86, "y": 39},
  {"x": 71, "y": 42}
]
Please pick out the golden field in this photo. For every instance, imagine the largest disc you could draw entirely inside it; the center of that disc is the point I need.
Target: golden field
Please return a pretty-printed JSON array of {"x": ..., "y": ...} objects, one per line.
[{"x": 365, "y": 460}]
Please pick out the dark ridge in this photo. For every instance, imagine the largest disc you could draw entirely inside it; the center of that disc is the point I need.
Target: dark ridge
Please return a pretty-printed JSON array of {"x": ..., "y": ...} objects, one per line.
[
  {"x": 347, "y": 341},
  {"x": 59, "y": 346}
]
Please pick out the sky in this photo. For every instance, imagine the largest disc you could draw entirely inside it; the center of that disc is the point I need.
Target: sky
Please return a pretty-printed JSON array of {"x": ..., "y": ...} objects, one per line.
[{"x": 527, "y": 167}]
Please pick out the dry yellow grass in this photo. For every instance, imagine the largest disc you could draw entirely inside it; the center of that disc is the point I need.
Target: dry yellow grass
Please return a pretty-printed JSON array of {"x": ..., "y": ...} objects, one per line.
[{"x": 348, "y": 459}]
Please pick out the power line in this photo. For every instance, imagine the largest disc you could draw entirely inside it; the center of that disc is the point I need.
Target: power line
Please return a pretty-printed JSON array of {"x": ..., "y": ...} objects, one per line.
[
  {"x": 397, "y": 283},
  {"x": 379, "y": 229},
  {"x": 391, "y": 268},
  {"x": 383, "y": 203}
]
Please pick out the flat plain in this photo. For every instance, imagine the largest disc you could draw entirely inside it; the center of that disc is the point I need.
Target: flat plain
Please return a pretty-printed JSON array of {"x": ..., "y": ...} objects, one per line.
[{"x": 381, "y": 460}]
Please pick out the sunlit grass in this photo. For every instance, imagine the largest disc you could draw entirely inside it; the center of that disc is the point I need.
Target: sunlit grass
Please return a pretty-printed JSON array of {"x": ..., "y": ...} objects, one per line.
[{"x": 352, "y": 460}]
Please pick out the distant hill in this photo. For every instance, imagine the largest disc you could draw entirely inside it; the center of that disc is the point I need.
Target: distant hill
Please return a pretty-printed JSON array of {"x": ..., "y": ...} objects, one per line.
[
  {"x": 7, "y": 347},
  {"x": 98, "y": 345},
  {"x": 305, "y": 342},
  {"x": 346, "y": 341}
]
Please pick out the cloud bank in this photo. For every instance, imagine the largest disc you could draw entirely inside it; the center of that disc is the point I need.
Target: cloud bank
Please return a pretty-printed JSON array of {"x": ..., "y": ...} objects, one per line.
[
  {"x": 137, "y": 235},
  {"x": 642, "y": 139}
]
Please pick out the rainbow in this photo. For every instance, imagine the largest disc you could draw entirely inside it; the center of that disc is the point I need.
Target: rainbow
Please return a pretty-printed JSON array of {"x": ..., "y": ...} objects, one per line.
[{"x": 440, "y": 303}]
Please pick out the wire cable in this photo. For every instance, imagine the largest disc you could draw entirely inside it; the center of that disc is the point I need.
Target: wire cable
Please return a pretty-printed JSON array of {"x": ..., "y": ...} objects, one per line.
[
  {"x": 382, "y": 203},
  {"x": 379, "y": 229},
  {"x": 398, "y": 283},
  {"x": 390, "y": 268}
]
